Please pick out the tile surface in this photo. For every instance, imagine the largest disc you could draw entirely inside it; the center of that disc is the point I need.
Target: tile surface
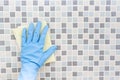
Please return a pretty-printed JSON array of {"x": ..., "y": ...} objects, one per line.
[{"x": 87, "y": 33}]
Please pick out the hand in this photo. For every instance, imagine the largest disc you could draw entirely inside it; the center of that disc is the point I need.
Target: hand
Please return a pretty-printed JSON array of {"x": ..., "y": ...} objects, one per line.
[{"x": 32, "y": 54}]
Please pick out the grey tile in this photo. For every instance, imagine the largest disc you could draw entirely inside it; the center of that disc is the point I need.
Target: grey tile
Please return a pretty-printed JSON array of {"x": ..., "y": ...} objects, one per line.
[
  {"x": 24, "y": 20},
  {"x": 101, "y": 58},
  {"x": 1, "y": 8},
  {"x": 52, "y": 69},
  {"x": 75, "y": 25},
  {"x": 101, "y": 52},
  {"x": 13, "y": 53},
  {"x": 102, "y": 25},
  {"x": 90, "y": 68},
  {"x": 85, "y": 68},
  {"x": 69, "y": 63},
  {"x": 58, "y": 36},
  {"x": 74, "y": 47},
  {"x": 63, "y": 2},
  {"x": 74, "y": 63},
  {"x": 46, "y": 2},
  {"x": 8, "y": 64},
  {"x": 96, "y": 41},
  {"x": 52, "y": 30},
  {"x": 24, "y": 14},
  {"x": 101, "y": 73},
  {"x": 80, "y": 52},
  {"x": 74, "y": 73},
  {"x": 6, "y": 2},
  {"x": 35, "y": 2},
  {"x": 75, "y": 8},
  {"x": 85, "y": 41},
  {"x": 6, "y": 19},
  {"x": 52, "y": 19},
  {"x": 69, "y": 14},
  {"x": 1, "y": 20},
  {"x": 85, "y": 30},
  {"x": 113, "y": 13},
  {"x": 64, "y": 52},
  {"x": 8, "y": 48},
  {"x": 96, "y": 8},
  {"x": 47, "y": 74},
  {"x": 63, "y": 30},
  {"x": 96, "y": 47},
  {"x": 108, "y": 2},
  {"x": 18, "y": 8},
  {"x": 117, "y": 73},
  {"x": 117, "y": 47},
  {"x": 63, "y": 68},
  {"x": 96, "y": 30},
  {"x": 46, "y": 14},
  {"x": 112, "y": 30},
  {"x": 91, "y": 36},
  {"x": 118, "y": 36},
  {"x": 85, "y": 19},
  {"x": 2, "y": 43},
  {"x": 74, "y": 2},
  {"x": 101, "y": 78},
  {"x": 101, "y": 36},
  {"x": 112, "y": 57},
  {"x": 58, "y": 58},
  {"x": 86, "y": 8},
  {"x": 107, "y": 42},
  {"x": 12, "y": 14},
  {"x": 23, "y": 3},
  {"x": 118, "y": 19},
  {"x": 106, "y": 68},
  {"x": 14, "y": 70},
  {"x": 3, "y": 70},
  {"x": 92, "y": 2},
  {"x": 90, "y": 57},
  {"x": 117, "y": 62},
  {"x": 69, "y": 36},
  {"x": 96, "y": 19},
  {"x": 107, "y": 19},
  {"x": 80, "y": 13},
  {"x": 63, "y": 25},
  {"x": 96, "y": 63},
  {"x": 107, "y": 8},
  {"x": 41, "y": 8},
  {"x": 80, "y": 36},
  {"x": 52, "y": 8}
]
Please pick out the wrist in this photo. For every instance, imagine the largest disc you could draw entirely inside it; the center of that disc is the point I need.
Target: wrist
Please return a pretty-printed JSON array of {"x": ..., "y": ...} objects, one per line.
[{"x": 30, "y": 67}]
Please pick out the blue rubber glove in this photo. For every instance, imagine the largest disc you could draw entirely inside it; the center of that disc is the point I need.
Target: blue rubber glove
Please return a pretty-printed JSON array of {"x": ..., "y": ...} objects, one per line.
[{"x": 32, "y": 54}]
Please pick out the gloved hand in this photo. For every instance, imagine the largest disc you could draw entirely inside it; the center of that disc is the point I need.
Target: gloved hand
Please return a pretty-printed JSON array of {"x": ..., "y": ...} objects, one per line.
[{"x": 32, "y": 54}]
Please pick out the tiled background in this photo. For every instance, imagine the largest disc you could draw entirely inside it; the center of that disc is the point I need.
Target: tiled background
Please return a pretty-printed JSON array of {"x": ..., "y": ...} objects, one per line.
[{"x": 87, "y": 33}]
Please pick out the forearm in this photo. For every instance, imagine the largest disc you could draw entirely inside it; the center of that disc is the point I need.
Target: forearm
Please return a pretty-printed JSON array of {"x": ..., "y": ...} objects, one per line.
[{"x": 28, "y": 72}]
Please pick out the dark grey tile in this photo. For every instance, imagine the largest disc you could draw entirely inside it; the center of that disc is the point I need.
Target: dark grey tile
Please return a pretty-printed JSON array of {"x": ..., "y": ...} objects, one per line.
[
  {"x": 74, "y": 73},
  {"x": 75, "y": 25},
  {"x": 3, "y": 70},
  {"x": 80, "y": 52}
]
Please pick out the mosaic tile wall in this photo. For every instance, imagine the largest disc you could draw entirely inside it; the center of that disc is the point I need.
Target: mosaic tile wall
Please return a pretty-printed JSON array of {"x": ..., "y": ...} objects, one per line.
[{"x": 87, "y": 33}]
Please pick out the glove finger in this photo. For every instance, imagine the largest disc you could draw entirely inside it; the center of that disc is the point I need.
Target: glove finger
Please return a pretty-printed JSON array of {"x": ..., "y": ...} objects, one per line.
[
  {"x": 37, "y": 32},
  {"x": 24, "y": 37},
  {"x": 47, "y": 54},
  {"x": 43, "y": 36},
  {"x": 30, "y": 32}
]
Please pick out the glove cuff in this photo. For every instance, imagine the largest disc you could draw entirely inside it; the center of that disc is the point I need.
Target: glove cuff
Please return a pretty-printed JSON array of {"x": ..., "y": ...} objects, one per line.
[{"x": 28, "y": 71}]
